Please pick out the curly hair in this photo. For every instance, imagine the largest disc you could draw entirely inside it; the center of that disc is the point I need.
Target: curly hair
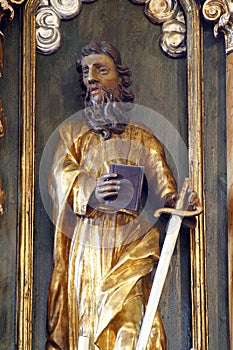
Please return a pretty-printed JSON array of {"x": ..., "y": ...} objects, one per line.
[{"x": 125, "y": 75}]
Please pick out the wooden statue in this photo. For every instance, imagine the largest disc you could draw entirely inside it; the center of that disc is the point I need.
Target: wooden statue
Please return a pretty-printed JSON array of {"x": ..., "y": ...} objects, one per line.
[{"x": 103, "y": 258}]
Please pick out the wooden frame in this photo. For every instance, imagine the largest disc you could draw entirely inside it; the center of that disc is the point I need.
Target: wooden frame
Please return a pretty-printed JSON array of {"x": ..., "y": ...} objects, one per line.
[{"x": 26, "y": 205}]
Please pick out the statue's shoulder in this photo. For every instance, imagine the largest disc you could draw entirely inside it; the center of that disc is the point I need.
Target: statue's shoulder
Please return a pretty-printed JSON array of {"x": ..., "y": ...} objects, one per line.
[
  {"x": 136, "y": 127},
  {"x": 71, "y": 129}
]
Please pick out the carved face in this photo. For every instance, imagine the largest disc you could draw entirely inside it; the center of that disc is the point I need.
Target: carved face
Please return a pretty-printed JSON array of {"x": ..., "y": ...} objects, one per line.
[{"x": 99, "y": 70}]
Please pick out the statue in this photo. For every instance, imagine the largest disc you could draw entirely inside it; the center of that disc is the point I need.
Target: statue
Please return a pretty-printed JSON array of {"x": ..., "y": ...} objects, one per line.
[{"x": 102, "y": 262}]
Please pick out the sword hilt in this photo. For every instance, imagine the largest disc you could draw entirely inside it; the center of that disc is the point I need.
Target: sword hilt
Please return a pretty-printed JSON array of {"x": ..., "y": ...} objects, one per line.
[{"x": 181, "y": 204}]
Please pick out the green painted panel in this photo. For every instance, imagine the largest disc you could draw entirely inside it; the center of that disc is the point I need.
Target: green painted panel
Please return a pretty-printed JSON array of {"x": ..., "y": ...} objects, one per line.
[
  {"x": 215, "y": 189},
  {"x": 9, "y": 157}
]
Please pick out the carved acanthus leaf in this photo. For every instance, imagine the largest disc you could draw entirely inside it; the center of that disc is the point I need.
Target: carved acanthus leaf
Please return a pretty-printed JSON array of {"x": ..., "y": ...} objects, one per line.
[
  {"x": 220, "y": 12},
  {"x": 165, "y": 12}
]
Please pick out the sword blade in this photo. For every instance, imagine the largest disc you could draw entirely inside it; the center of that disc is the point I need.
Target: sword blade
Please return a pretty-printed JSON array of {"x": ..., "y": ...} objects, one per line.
[{"x": 161, "y": 271}]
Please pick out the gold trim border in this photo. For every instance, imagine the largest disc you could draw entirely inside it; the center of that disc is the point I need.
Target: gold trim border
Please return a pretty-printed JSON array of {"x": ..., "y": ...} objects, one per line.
[
  {"x": 26, "y": 181},
  {"x": 26, "y": 184},
  {"x": 196, "y": 161}
]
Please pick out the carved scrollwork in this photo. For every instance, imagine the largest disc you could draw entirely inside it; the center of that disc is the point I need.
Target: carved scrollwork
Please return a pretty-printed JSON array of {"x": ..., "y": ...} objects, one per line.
[
  {"x": 159, "y": 11},
  {"x": 66, "y": 8},
  {"x": 48, "y": 17},
  {"x": 173, "y": 40},
  {"x": 166, "y": 12},
  {"x": 220, "y": 12},
  {"x": 48, "y": 37}
]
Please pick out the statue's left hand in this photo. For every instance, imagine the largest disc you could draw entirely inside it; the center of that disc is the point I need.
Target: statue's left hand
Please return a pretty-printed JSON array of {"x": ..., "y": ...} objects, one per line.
[
  {"x": 107, "y": 186},
  {"x": 193, "y": 201}
]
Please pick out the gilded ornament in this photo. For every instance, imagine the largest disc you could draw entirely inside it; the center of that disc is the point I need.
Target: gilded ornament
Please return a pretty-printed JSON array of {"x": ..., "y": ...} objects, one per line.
[
  {"x": 6, "y": 10},
  {"x": 220, "y": 12},
  {"x": 212, "y": 10}
]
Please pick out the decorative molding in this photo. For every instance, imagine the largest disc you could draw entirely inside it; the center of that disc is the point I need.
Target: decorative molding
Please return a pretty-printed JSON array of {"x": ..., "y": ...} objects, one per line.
[
  {"x": 220, "y": 12},
  {"x": 165, "y": 12},
  {"x": 196, "y": 161}
]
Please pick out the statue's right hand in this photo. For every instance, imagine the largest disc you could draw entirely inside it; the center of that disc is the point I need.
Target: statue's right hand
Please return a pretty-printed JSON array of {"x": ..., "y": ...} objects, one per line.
[{"x": 107, "y": 187}]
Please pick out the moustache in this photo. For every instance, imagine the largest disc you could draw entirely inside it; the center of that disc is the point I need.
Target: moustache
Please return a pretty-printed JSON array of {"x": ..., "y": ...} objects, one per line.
[{"x": 107, "y": 94}]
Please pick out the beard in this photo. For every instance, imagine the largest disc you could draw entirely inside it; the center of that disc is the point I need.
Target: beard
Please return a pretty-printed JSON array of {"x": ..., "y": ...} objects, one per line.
[{"x": 107, "y": 116}]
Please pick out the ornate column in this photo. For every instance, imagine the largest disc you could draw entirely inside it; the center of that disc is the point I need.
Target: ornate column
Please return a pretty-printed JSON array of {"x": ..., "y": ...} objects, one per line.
[{"x": 221, "y": 13}]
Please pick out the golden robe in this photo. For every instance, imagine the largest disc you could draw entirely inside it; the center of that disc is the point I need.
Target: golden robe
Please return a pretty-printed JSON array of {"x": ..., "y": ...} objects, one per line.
[{"x": 103, "y": 259}]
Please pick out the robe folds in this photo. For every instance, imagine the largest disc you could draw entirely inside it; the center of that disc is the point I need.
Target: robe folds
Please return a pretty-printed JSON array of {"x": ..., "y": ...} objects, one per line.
[{"x": 103, "y": 258}]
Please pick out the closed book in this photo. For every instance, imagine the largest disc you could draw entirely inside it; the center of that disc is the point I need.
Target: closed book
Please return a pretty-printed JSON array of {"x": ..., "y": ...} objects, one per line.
[{"x": 131, "y": 177}]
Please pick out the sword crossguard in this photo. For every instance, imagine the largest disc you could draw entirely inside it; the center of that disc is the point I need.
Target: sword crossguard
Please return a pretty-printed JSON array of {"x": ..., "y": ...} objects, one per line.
[
  {"x": 178, "y": 212},
  {"x": 181, "y": 204}
]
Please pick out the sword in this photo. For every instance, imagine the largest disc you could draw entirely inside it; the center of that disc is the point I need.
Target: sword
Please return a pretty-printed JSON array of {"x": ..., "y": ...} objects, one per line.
[{"x": 164, "y": 261}]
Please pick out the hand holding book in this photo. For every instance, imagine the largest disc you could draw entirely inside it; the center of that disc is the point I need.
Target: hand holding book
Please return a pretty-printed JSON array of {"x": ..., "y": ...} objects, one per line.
[
  {"x": 107, "y": 187},
  {"x": 121, "y": 188}
]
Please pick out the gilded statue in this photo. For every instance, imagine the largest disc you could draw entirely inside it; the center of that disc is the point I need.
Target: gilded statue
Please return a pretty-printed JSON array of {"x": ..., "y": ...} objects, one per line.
[{"x": 103, "y": 259}]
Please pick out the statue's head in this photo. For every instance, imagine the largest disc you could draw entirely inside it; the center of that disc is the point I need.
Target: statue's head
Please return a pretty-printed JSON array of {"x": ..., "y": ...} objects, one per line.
[
  {"x": 100, "y": 66},
  {"x": 104, "y": 81}
]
